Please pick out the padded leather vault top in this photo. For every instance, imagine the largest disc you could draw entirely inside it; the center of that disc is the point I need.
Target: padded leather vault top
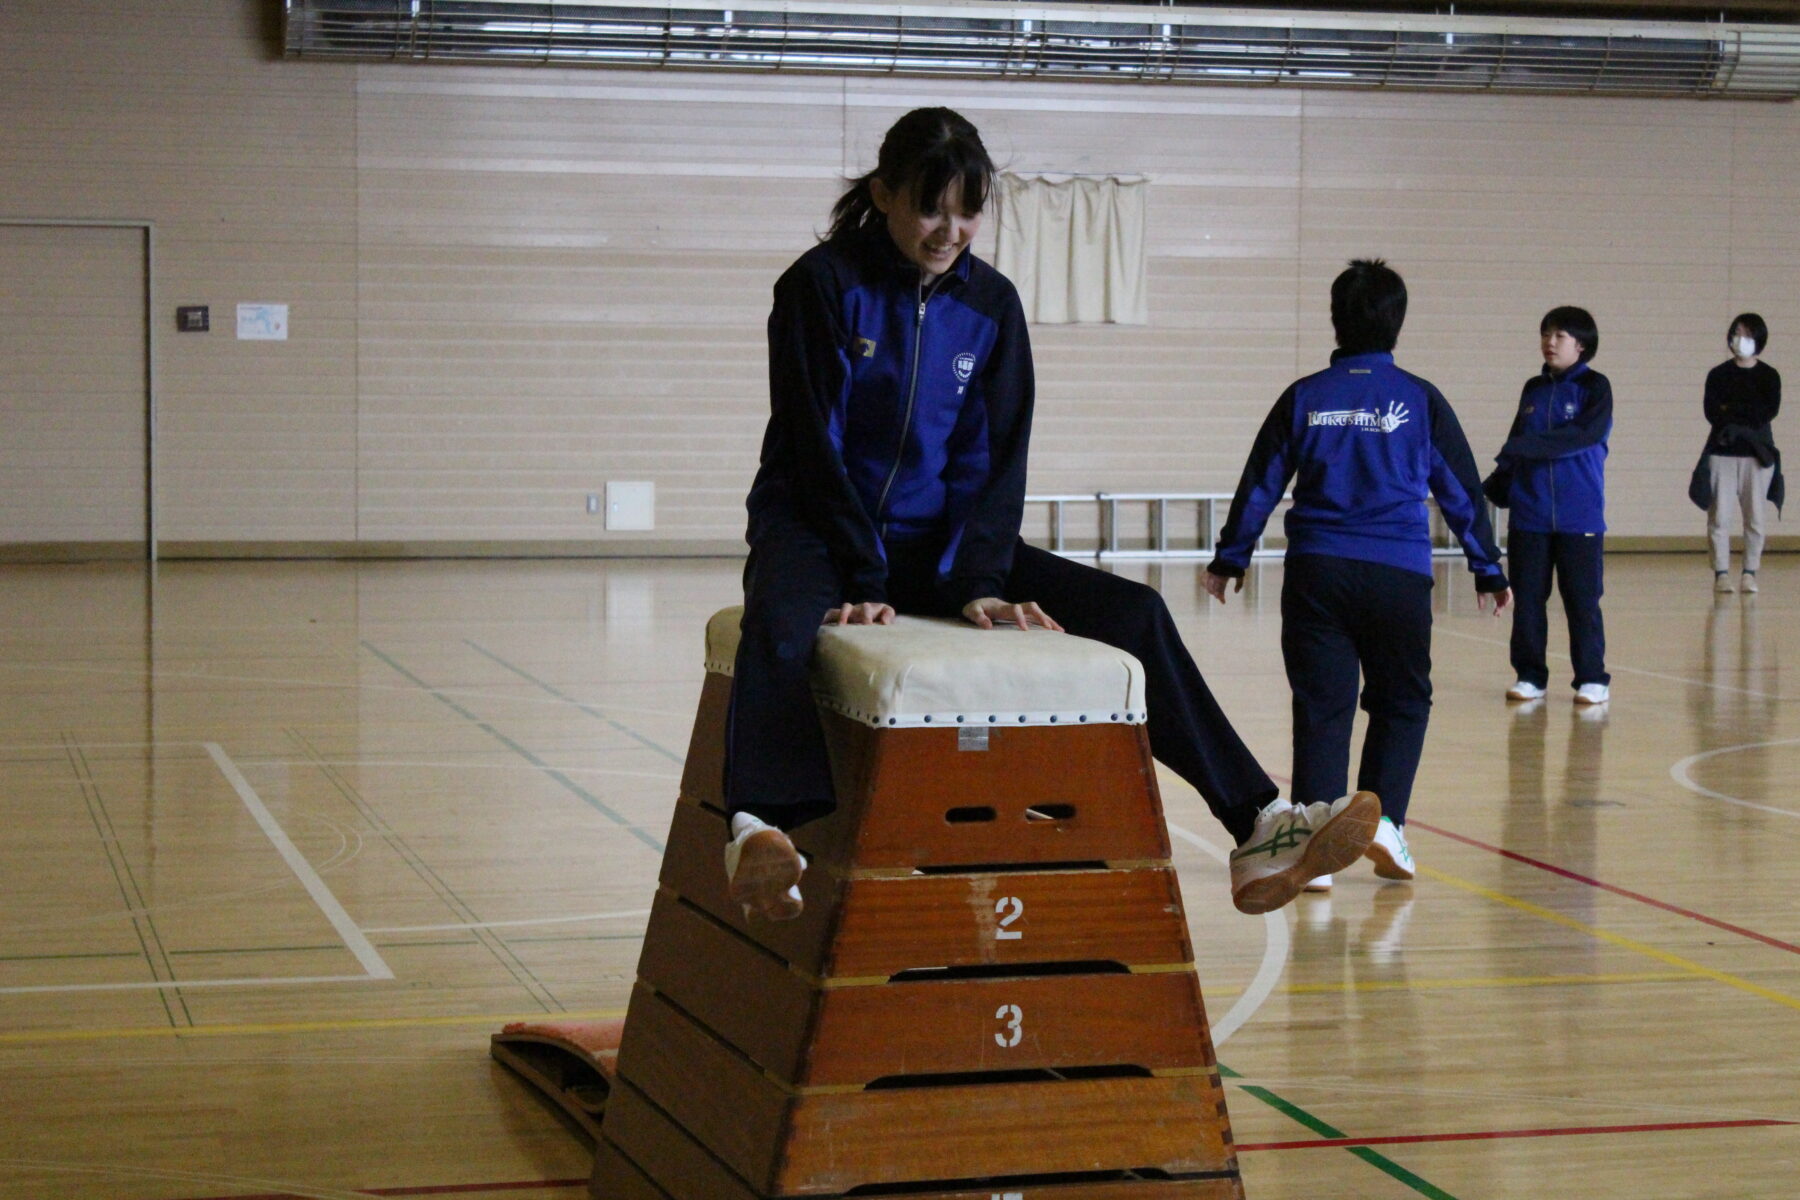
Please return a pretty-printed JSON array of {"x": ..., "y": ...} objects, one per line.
[{"x": 931, "y": 671}]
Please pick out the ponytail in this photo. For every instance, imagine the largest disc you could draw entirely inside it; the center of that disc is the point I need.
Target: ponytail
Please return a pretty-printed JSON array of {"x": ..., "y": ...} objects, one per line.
[{"x": 855, "y": 209}]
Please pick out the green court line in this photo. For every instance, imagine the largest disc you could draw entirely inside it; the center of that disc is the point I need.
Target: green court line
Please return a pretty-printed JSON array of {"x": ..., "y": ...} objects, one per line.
[
  {"x": 598, "y": 804},
  {"x": 1379, "y": 1161},
  {"x": 381, "y": 945},
  {"x": 24, "y": 958},
  {"x": 589, "y": 709},
  {"x": 230, "y": 950},
  {"x": 143, "y": 921}
]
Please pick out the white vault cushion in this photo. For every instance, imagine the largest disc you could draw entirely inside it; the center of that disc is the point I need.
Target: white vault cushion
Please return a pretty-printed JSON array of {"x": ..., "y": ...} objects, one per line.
[{"x": 931, "y": 671}]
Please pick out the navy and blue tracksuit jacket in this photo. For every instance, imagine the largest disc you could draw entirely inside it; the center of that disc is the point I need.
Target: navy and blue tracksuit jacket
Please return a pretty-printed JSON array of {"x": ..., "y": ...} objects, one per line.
[
  {"x": 901, "y": 411},
  {"x": 1365, "y": 443},
  {"x": 1552, "y": 469}
]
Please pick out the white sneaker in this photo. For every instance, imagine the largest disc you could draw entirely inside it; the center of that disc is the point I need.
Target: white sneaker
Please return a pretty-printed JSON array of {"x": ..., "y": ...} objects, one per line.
[
  {"x": 763, "y": 869},
  {"x": 1748, "y": 582},
  {"x": 1524, "y": 691},
  {"x": 1292, "y": 844},
  {"x": 1319, "y": 883},
  {"x": 1389, "y": 853},
  {"x": 1722, "y": 582},
  {"x": 1593, "y": 693}
]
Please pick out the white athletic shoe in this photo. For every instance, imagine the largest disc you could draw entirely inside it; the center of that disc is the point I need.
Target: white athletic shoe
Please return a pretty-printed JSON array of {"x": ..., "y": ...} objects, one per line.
[
  {"x": 1593, "y": 693},
  {"x": 1389, "y": 853},
  {"x": 1722, "y": 582},
  {"x": 1748, "y": 582},
  {"x": 1319, "y": 883},
  {"x": 1524, "y": 691},
  {"x": 763, "y": 869},
  {"x": 1292, "y": 844}
]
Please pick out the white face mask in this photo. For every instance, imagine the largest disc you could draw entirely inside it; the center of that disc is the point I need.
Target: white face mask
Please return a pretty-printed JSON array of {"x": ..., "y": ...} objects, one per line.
[{"x": 1744, "y": 347}]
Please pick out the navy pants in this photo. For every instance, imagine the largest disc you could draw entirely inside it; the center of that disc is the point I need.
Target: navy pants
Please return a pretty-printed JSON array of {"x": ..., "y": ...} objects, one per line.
[
  {"x": 776, "y": 762},
  {"x": 1576, "y": 561},
  {"x": 1341, "y": 618}
]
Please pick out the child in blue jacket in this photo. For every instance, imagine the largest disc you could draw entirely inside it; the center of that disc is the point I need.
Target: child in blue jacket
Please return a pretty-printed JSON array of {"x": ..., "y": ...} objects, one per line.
[
  {"x": 1552, "y": 475},
  {"x": 1365, "y": 443}
]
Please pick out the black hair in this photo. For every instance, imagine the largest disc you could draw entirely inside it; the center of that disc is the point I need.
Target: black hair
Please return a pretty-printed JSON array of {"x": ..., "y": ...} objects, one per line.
[
  {"x": 924, "y": 152},
  {"x": 1754, "y": 326},
  {"x": 1368, "y": 306},
  {"x": 1578, "y": 323}
]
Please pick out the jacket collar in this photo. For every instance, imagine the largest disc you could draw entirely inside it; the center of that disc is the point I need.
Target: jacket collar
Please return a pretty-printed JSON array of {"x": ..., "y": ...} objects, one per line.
[
  {"x": 1573, "y": 372},
  {"x": 1366, "y": 358},
  {"x": 873, "y": 241}
]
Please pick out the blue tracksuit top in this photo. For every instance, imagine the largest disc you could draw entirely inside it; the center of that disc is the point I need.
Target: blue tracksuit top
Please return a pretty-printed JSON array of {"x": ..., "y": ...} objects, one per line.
[
  {"x": 1556, "y": 453},
  {"x": 1365, "y": 443},
  {"x": 899, "y": 410}
]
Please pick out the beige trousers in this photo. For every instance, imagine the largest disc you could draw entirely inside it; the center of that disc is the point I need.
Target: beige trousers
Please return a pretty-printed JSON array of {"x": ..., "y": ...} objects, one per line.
[{"x": 1740, "y": 483}]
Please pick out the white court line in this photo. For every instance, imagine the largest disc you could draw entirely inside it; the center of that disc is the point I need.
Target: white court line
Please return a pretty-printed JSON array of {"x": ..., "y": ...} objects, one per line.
[
  {"x": 354, "y": 938},
  {"x": 184, "y": 985},
  {"x": 605, "y": 916},
  {"x": 1275, "y": 952},
  {"x": 1679, "y": 773},
  {"x": 373, "y": 965},
  {"x": 469, "y": 693}
]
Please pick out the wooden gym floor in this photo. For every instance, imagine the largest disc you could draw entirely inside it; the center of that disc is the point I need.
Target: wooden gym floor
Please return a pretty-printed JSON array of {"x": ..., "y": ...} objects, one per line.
[{"x": 284, "y": 842}]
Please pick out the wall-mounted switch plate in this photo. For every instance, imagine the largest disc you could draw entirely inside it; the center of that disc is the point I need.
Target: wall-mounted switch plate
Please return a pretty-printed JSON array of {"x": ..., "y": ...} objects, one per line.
[{"x": 630, "y": 505}]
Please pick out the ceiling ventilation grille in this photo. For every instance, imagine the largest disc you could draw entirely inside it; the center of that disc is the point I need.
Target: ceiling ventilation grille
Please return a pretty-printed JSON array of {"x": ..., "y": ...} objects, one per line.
[{"x": 1123, "y": 43}]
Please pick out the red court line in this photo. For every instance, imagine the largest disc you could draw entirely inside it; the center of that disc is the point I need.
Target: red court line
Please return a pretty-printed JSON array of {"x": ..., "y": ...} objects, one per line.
[
  {"x": 441, "y": 1189},
  {"x": 1577, "y": 1131},
  {"x": 1689, "y": 913},
  {"x": 1308, "y": 1144}
]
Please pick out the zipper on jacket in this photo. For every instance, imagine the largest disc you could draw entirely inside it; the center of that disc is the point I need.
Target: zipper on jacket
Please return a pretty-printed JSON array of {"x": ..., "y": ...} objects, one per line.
[
  {"x": 1555, "y": 390},
  {"x": 912, "y": 392}
]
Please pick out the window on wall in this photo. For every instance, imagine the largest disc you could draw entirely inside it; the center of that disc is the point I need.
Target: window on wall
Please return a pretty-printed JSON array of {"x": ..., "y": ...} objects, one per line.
[{"x": 1074, "y": 247}]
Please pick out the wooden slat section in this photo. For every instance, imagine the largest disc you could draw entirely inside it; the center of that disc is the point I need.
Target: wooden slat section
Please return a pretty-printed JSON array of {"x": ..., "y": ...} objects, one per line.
[
  {"x": 866, "y": 1033},
  {"x": 887, "y": 925},
  {"x": 721, "y": 1098},
  {"x": 891, "y": 925},
  {"x": 854, "y": 1035},
  {"x": 891, "y": 1137},
  {"x": 747, "y": 997},
  {"x": 693, "y": 868},
  {"x": 703, "y": 773},
  {"x": 819, "y": 1144},
  {"x": 637, "y": 1132},
  {"x": 919, "y": 777},
  {"x": 616, "y": 1177}
]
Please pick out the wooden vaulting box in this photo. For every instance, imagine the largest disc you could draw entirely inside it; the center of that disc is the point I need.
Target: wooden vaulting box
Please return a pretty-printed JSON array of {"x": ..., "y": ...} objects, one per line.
[{"x": 990, "y": 994}]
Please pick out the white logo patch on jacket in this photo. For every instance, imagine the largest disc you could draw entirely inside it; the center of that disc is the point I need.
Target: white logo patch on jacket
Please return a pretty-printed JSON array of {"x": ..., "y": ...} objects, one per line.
[
  {"x": 1362, "y": 418},
  {"x": 964, "y": 366}
]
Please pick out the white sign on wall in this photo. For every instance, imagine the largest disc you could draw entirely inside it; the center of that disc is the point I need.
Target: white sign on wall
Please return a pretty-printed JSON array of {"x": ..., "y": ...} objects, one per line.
[{"x": 262, "y": 322}]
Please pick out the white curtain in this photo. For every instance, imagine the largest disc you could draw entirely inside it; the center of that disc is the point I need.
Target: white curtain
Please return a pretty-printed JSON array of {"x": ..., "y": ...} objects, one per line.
[{"x": 1074, "y": 247}]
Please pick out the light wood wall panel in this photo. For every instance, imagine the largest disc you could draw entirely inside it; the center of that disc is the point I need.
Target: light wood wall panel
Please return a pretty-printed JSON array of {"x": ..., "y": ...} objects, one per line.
[
  {"x": 510, "y": 285},
  {"x": 181, "y": 115},
  {"x": 75, "y": 397}
]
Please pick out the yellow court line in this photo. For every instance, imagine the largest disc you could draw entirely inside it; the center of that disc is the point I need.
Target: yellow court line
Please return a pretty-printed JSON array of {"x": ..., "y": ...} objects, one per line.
[
  {"x": 1494, "y": 981},
  {"x": 90, "y": 1035},
  {"x": 1663, "y": 956},
  {"x": 25, "y": 1036}
]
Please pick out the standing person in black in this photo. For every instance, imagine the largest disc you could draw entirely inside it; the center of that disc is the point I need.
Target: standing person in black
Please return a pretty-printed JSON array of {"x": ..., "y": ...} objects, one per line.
[
  {"x": 893, "y": 481},
  {"x": 1742, "y": 466}
]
